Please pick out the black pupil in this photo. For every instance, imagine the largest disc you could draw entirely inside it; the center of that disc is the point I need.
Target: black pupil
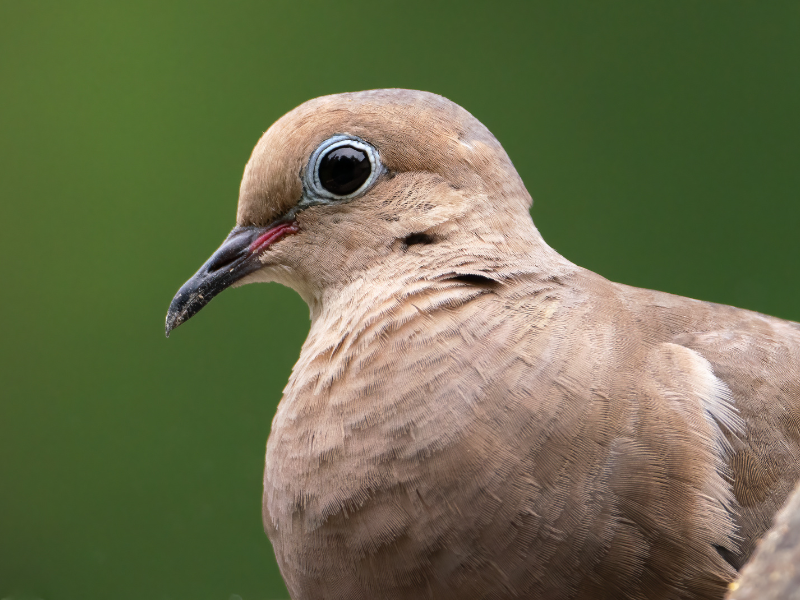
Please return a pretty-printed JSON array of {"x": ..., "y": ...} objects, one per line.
[{"x": 343, "y": 170}]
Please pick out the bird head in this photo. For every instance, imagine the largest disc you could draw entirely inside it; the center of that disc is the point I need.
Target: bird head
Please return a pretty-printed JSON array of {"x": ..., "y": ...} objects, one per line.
[{"x": 350, "y": 182}]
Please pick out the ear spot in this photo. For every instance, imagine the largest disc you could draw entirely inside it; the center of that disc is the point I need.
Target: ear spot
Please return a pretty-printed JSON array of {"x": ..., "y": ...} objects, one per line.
[{"x": 418, "y": 238}]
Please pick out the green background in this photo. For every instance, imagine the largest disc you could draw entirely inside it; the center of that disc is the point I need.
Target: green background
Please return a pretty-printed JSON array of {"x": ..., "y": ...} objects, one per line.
[{"x": 660, "y": 141}]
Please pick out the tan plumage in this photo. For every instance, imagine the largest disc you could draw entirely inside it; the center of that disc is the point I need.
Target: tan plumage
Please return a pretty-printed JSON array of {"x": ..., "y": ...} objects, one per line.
[
  {"x": 773, "y": 572},
  {"x": 472, "y": 415}
]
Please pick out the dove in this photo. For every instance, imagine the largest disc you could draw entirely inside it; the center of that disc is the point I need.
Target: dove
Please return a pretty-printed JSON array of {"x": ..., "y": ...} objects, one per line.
[{"x": 473, "y": 416}]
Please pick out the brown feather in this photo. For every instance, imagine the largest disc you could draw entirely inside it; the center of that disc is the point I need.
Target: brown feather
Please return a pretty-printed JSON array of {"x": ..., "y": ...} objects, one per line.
[{"x": 473, "y": 416}]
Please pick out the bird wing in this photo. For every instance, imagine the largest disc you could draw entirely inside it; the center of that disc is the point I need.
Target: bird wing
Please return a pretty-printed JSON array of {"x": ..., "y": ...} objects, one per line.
[{"x": 758, "y": 359}]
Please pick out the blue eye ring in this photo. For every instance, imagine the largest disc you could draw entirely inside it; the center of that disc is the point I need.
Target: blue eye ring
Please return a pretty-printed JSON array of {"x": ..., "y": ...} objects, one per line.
[{"x": 315, "y": 186}]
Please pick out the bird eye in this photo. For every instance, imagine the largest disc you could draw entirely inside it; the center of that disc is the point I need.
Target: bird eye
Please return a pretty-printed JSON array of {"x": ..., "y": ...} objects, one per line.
[
  {"x": 342, "y": 167},
  {"x": 343, "y": 170}
]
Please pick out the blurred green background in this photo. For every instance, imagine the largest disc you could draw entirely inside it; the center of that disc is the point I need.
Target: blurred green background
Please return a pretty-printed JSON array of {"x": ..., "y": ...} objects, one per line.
[{"x": 660, "y": 141}]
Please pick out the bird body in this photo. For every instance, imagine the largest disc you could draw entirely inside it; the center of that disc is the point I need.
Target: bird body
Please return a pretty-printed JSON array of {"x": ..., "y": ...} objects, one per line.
[{"x": 472, "y": 415}]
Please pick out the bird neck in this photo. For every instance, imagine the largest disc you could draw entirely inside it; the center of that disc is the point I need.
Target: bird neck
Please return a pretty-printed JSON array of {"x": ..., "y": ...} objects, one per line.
[{"x": 399, "y": 294}]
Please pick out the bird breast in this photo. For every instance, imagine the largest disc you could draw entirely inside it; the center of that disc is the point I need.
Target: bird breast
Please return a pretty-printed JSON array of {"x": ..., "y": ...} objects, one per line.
[{"x": 441, "y": 437}]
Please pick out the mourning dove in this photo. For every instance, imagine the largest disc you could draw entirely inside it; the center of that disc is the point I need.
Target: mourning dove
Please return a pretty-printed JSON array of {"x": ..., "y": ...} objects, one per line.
[{"x": 472, "y": 415}]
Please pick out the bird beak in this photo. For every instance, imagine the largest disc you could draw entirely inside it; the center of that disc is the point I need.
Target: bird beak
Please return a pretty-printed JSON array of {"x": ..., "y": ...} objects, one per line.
[{"x": 237, "y": 257}]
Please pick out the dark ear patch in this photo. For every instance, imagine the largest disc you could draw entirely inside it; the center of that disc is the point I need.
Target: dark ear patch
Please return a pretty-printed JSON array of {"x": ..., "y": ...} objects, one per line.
[{"x": 418, "y": 238}]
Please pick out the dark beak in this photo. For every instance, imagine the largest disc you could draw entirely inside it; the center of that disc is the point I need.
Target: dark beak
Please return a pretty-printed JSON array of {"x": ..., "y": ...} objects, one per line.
[{"x": 237, "y": 257}]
